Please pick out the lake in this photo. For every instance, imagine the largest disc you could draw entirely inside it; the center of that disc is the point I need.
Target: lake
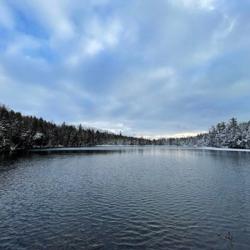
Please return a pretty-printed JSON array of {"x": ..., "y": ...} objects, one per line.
[{"x": 126, "y": 198}]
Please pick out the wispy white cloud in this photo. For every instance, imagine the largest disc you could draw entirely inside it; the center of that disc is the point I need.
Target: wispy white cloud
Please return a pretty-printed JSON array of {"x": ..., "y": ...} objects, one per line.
[
  {"x": 21, "y": 43},
  {"x": 6, "y": 17},
  {"x": 201, "y": 4},
  {"x": 217, "y": 42},
  {"x": 53, "y": 16},
  {"x": 97, "y": 36}
]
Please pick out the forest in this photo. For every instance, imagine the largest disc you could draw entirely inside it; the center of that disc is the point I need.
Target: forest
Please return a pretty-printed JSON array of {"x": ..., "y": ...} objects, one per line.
[
  {"x": 229, "y": 134},
  {"x": 18, "y": 132}
]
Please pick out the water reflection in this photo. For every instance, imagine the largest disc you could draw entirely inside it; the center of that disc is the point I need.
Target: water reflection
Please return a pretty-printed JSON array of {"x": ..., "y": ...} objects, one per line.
[{"x": 126, "y": 198}]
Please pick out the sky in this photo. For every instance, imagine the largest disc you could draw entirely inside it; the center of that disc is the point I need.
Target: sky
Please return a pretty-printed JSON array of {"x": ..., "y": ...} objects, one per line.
[{"x": 153, "y": 68}]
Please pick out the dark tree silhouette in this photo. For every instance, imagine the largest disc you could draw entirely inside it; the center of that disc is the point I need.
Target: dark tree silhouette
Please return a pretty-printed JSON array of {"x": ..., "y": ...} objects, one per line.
[{"x": 19, "y": 132}]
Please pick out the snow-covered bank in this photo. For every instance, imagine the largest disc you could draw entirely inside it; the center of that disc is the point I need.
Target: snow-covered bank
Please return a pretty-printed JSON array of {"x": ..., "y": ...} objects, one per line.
[{"x": 224, "y": 149}]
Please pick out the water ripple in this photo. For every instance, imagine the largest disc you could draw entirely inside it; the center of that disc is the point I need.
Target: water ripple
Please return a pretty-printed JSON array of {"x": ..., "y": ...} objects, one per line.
[{"x": 147, "y": 199}]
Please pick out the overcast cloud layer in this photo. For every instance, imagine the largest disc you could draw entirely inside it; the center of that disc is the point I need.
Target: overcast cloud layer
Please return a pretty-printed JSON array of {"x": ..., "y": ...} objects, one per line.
[{"x": 144, "y": 67}]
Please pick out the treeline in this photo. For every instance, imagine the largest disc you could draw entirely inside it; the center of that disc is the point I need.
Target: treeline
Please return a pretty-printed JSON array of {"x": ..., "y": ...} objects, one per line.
[
  {"x": 18, "y": 132},
  {"x": 229, "y": 135}
]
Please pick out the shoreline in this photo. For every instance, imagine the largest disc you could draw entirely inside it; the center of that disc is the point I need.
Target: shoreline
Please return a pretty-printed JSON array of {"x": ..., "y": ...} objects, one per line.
[
  {"x": 225, "y": 149},
  {"x": 103, "y": 148},
  {"x": 120, "y": 147}
]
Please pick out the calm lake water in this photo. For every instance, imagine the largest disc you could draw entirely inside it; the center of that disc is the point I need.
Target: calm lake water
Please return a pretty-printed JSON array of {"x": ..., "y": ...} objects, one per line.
[{"x": 126, "y": 198}]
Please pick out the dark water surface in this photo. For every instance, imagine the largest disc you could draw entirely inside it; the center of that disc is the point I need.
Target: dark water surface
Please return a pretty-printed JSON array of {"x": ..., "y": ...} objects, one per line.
[{"x": 131, "y": 198}]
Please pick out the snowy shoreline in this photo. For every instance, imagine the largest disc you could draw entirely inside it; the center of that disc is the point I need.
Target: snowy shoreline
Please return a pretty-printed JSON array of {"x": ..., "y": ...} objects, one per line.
[
  {"x": 224, "y": 149},
  {"x": 124, "y": 147}
]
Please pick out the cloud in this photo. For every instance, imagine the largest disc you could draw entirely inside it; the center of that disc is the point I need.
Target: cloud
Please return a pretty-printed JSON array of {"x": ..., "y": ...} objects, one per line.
[
  {"x": 201, "y": 4},
  {"x": 53, "y": 16},
  {"x": 145, "y": 68},
  {"x": 6, "y": 17},
  {"x": 98, "y": 36},
  {"x": 21, "y": 44}
]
